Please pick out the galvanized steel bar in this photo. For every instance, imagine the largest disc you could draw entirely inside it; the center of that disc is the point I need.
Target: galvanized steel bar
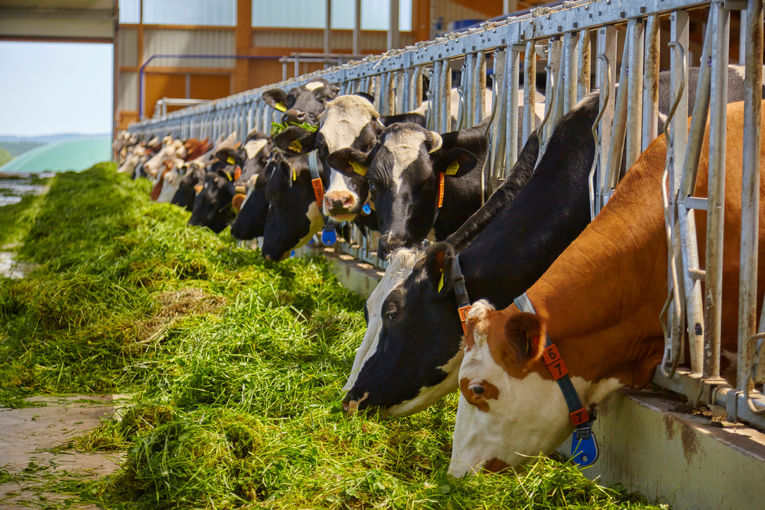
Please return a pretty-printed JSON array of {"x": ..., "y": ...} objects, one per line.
[
  {"x": 605, "y": 76},
  {"x": 750, "y": 203},
  {"x": 635, "y": 31},
  {"x": 614, "y": 166},
  {"x": 444, "y": 93},
  {"x": 512, "y": 74},
  {"x": 434, "y": 97},
  {"x": 570, "y": 71},
  {"x": 720, "y": 26},
  {"x": 529, "y": 89},
  {"x": 553, "y": 107},
  {"x": 500, "y": 101},
  {"x": 479, "y": 87},
  {"x": 651, "y": 82}
]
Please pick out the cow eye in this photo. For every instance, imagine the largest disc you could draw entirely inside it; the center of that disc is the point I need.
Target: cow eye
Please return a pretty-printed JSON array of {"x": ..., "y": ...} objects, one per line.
[
  {"x": 391, "y": 313},
  {"x": 477, "y": 388}
]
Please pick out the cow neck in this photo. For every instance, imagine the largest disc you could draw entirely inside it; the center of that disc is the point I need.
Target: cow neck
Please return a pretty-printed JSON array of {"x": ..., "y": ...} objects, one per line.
[
  {"x": 584, "y": 446},
  {"x": 602, "y": 297}
]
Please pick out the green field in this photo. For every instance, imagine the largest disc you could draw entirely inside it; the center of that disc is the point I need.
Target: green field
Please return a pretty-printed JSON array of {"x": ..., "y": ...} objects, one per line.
[{"x": 236, "y": 365}]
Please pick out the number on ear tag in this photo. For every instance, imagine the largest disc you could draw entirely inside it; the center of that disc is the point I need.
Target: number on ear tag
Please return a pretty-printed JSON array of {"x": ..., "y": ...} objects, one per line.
[
  {"x": 358, "y": 168},
  {"x": 453, "y": 168},
  {"x": 280, "y": 107},
  {"x": 295, "y": 146}
]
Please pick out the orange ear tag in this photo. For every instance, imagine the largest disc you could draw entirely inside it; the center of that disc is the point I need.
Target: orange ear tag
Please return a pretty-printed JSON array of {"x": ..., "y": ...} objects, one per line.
[
  {"x": 295, "y": 146},
  {"x": 237, "y": 173},
  {"x": 237, "y": 201},
  {"x": 441, "y": 182},
  {"x": 198, "y": 188},
  {"x": 280, "y": 107},
  {"x": 318, "y": 190},
  {"x": 358, "y": 168}
]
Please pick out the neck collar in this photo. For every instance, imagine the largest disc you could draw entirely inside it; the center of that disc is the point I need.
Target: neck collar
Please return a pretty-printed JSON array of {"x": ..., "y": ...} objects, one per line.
[{"x": 584, "y": 447}]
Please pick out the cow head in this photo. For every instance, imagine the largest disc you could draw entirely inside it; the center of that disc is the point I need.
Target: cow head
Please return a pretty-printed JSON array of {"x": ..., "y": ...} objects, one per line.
[
  {"x": 400, "y": 265},
  {"x": 192, "y": 178},
  {"x": 510, "y": 409},
  {"x": 293, "y": 216},
  {"x": 213, "y": 204},
  {"x": 301, "y": 104},
  {"x": 170, "y": 180},
  {"x": 418, "y": 350},
  {"x": 404, "y": 178},
  {"x": 250, "y": 222},
  {"x": 171, "y": 149}
]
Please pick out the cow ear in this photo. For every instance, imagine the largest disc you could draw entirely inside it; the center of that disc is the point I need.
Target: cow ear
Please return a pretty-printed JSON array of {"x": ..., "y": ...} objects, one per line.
[
  {"x": 366, "y": 96},
  {"x": 349, "y": 161},
  {"x": 526, "y": 333},
  {"x": 456, "y": 162},
  {"x": 439, "y": 264},
  {"x": 296, "y": 140},
  {"x": 433, "y": 141},
  {"x": 276, "y": 99}
]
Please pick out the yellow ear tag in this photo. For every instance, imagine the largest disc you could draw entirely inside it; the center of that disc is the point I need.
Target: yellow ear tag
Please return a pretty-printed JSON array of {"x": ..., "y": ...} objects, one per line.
[
  {"x": 280, "y": 107},
  {"x": 294, "y": 175},
  {"x": 231, "y": 160},
  {"x": 228, "y": 176},
  {"x": 358, "y": 168},
  {"x": 453, "y": 168},
  {"x": 441, "y": 281},
  {"x": 295, "y": 146}
]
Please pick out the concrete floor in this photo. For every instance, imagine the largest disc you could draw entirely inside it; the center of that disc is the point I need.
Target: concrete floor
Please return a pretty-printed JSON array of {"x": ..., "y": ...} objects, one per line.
[{"x": 32, "y": 448}]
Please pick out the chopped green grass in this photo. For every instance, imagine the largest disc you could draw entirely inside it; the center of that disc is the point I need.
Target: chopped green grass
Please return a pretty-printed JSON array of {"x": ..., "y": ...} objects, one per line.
[{"x": 236, "y": 364}]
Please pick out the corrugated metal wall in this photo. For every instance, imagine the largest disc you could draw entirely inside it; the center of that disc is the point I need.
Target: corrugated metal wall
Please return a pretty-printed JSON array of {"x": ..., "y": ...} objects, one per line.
[
  {"x": 128, "y": 92},
  {"x": 199, "y": 42},
  {"x": 314, "y": 40},
  {"x": 127, "y": 47}
]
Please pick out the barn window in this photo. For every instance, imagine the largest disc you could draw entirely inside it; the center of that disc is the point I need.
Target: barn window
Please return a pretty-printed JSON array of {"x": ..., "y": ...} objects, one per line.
[
  {"x": 375, "y": 14},
  {"x": 190, "y": 12}
]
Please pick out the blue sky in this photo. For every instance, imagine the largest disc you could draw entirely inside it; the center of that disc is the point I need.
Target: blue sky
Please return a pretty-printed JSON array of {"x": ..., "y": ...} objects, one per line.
[{"x": 50, "y": 88}]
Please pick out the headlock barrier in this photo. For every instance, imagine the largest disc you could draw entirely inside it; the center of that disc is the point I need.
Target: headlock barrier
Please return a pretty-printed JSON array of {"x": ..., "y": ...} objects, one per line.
[{"x": 614, "y": 42}]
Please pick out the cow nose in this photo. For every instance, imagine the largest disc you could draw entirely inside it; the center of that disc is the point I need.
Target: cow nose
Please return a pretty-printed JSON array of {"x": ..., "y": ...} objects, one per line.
[
  {"x": 388, "y": 245},
  {"x": 338, "y": 201},
  {"x": 294, "y": 116},
  {"x": 350, "y": 405}
]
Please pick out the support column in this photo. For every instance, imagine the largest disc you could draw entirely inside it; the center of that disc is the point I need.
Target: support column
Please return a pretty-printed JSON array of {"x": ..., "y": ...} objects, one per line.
[{"x": 243, "y": 43}]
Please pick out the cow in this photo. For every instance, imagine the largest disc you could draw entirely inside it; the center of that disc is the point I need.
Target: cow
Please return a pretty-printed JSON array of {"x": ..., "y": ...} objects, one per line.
[
  {"x": 303, "y": 104},
  {"x": 420, "y": 180},
  {"x": 171, "y": 148},
  {"x": 169, "y": 181},
  {"x": 193, "y": 172},
  {"x": 213, "y": 204},
  {"x": 599, "y": 303},
  {"x": 501, "y": 252},
  {"x": 293, "y": 214}
]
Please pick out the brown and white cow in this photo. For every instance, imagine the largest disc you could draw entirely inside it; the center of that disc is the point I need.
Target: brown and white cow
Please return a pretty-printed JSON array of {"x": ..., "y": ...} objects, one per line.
[{"x": 599, "y": 303}]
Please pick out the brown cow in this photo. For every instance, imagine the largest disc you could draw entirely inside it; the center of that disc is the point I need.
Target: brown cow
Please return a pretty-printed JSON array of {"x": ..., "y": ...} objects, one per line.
[{"x": 599, "y": 303}]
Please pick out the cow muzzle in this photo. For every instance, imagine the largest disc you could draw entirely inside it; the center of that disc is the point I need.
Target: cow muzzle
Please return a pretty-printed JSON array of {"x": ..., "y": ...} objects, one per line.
[
  {"x": 351, "y": 405},
  {"x": 339, "y": 204}
]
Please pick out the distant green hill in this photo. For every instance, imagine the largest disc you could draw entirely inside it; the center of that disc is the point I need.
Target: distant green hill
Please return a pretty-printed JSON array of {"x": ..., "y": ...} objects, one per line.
[
  {"x": 73, "y": 154},
  {"x": 4, "y": 156},
  {"x": 16, "y": 148}
]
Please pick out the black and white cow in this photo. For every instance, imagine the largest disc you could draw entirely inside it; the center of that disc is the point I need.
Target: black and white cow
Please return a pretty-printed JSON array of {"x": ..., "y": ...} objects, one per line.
[
  {"x": 418, "y": 352},
  {"x": 420, "y": 180},
  {"x": 293, "y": 214},
  {"x": 302, "y": 104},
  {"x": 251, "y": 220},
  {"x": 213, "y": 206}
]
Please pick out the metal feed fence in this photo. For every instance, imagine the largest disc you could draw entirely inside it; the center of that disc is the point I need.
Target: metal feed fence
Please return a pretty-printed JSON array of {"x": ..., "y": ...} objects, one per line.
[{"x": 626, "y": 38}]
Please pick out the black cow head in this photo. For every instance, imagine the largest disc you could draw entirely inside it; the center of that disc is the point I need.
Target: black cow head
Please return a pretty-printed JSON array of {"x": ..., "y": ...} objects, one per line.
[
  {"x": 213, "y": 204},
  {"x": 301, "y": 104},
  {"x": 250, "y": 221},
  {"x": 293, "y": 216},
  {"x": 192, "y": 180},
  {"x": 407, "y": 173},
  {"x": 418, "y": 352}
]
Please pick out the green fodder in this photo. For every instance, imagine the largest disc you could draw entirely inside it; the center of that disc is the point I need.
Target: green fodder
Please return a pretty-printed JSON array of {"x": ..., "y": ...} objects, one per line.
[{"x": 237, "y": 365}]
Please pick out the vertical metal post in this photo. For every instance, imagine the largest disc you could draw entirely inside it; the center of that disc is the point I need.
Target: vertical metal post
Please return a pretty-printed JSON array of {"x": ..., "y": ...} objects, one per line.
[
  {"x": 750, "y": 203},
  {"x": 613, "y": 170},
  {"x": 715, "y": 215},
  {"x": 510, "y": 109},
  {"x": 570, "y": 72},
  {"x": 393, "y": 31},
  {"x": 555, "y": 105},
  {"x": 480, "y": 87},
  {"x": 327, "y": 30},
  {"x": 635, "y": 30},
  {"x": 434, "y": 95},
  {"x": 500, "y": 101},
  {"x": 468, "y": 91},
  {"x": 651, "y": 83},
  {"x": 529, "y": 89},
  {"x": 584, "y": 66},
  {"x": 444, "y": 90},
  {"x": 357, "y": 27},
  {"x": 606, "y": 74}
]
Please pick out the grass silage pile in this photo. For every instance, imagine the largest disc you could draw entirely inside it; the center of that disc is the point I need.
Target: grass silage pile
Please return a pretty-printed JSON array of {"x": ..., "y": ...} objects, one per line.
[{"x": 236, "y": 365}]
